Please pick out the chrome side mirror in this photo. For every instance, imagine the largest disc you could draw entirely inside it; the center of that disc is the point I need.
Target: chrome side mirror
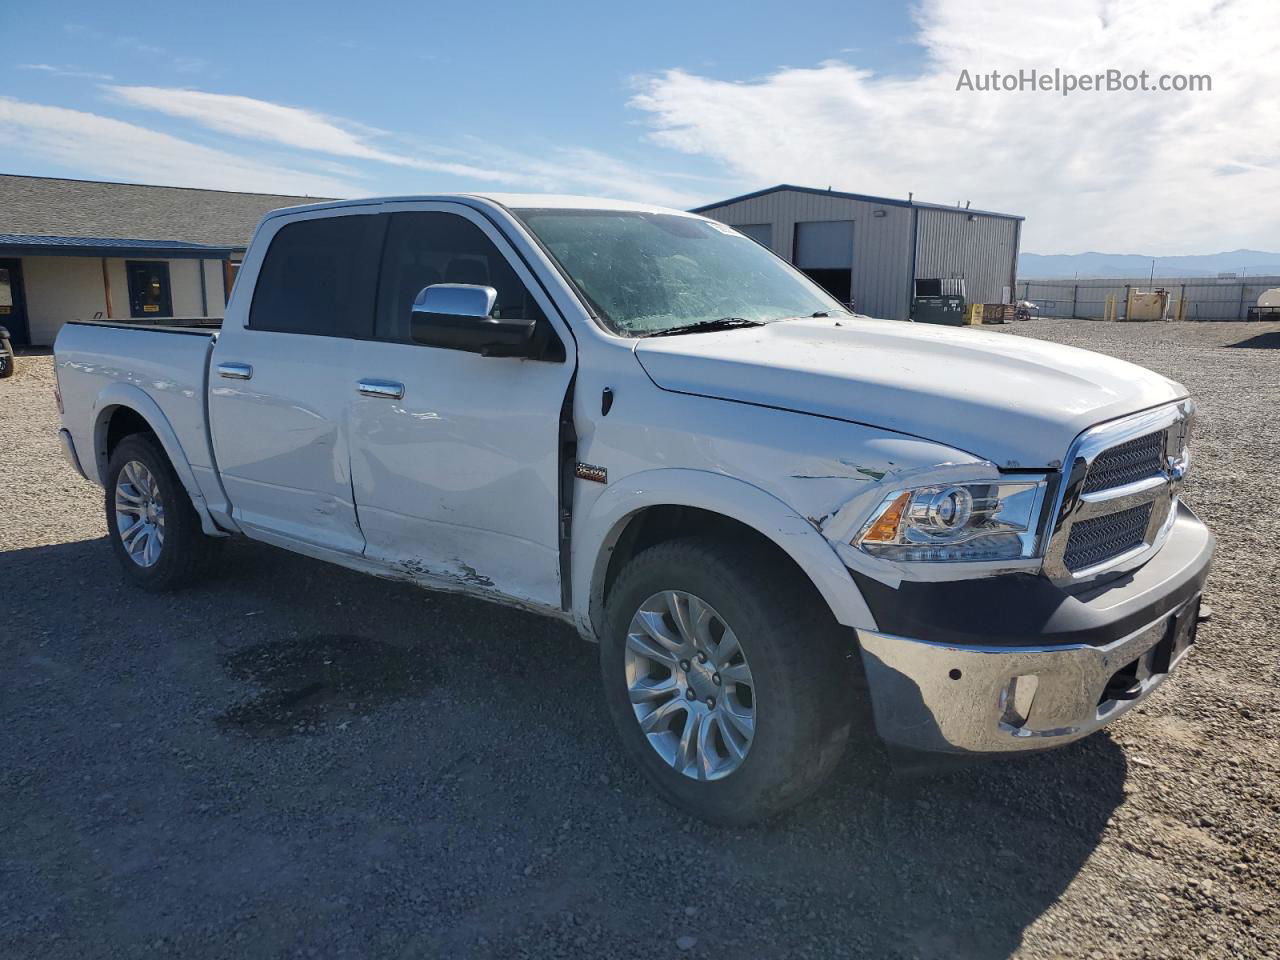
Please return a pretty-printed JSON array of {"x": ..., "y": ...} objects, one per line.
[{"x": 458, "y": 316}]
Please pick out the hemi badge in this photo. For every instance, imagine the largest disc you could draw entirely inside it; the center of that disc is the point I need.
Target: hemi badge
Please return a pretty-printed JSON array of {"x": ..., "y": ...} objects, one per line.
[{"x": 589, "y": 471}]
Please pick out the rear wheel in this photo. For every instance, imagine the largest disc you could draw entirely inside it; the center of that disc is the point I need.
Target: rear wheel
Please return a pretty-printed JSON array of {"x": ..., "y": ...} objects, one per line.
[
  {"x": 727, "y": 682},
  {"x": 7, "y": 362},
  {"x": 153, "y": 528}
]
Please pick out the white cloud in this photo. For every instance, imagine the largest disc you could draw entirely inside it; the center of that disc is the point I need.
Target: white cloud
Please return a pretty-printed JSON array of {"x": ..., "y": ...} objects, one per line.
[
  {"x": 555, "y": 169},
  {"x": 1162, "y": 173},
  {"x": 112, "y": 148},
  {"x": 256, "y": 120},
  {"x": 56, "y": 71},
  {"x": 586, "y": 171}
]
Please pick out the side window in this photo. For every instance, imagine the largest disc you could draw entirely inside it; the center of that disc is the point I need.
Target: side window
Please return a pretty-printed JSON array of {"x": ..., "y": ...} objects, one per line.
[
  {"x": 426, "y": 248},
  {"x": 319, "y": 277}
]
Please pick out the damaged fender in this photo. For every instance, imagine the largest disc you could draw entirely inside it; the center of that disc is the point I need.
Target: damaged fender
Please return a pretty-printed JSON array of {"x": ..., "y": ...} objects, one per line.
[
  {"x": 889, "y": 467},
  {"x": 597, "y": 531},
  {"x": 844, "y": 524}
]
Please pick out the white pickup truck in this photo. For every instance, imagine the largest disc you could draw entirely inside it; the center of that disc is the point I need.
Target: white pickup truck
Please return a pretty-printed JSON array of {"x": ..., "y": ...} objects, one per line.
[{"x": 762, "y": 506}]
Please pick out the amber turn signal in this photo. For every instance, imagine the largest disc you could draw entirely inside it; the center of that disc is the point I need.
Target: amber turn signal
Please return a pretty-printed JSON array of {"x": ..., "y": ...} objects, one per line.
[{"x": 885, "y": 529}]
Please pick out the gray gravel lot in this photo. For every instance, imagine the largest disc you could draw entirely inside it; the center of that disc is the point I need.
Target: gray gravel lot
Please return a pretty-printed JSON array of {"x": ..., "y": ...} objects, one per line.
[{"x": 294, "y": 760}]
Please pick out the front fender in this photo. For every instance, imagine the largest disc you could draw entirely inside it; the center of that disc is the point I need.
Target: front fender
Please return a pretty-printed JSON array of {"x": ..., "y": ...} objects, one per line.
[
  {"x": 596, "y": 535},
  {"x": 116, "y": 395}
]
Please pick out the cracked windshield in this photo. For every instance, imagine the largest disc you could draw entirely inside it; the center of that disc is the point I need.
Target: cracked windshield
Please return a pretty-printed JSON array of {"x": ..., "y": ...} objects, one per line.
[{"x": 646, "y": 273}]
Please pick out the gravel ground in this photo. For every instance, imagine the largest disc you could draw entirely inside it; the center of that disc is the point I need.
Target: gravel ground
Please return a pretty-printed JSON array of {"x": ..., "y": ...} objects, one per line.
[{"x": 296, "y": 760}]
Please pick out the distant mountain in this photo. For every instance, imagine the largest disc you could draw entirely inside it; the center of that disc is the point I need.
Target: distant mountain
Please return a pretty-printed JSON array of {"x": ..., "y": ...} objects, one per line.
[{"x": 1036, "y": 266}]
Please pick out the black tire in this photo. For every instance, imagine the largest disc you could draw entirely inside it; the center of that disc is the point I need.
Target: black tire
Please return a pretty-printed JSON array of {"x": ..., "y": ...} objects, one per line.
[
  {"x": 185, "y": 551},
  {"x": 799, "y": 661},
  {"x": 8, "y": 363}
]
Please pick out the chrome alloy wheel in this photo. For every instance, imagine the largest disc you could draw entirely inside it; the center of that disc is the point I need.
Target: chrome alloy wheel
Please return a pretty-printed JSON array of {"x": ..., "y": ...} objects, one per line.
[
  {"x": 139, "y": 514},
  {"x": 690, "y": 685}
]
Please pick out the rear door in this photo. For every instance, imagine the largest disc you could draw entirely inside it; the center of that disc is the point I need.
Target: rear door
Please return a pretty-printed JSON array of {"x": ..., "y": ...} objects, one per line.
[
  {"x": 283, "y": 378},
  {"x": 455, "y": 456}
]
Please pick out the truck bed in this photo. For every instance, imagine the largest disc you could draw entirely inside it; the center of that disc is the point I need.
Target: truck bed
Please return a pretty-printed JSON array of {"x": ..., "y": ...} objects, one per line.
[
  {"x": 164, "y": 324},
  {"x": 160, "y": 370}
]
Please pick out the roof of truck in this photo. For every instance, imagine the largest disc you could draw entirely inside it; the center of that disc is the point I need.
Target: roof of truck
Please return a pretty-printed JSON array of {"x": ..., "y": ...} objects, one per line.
[
  {"x": 550, "y": 201},
  {"x": 515, "y": 201}
]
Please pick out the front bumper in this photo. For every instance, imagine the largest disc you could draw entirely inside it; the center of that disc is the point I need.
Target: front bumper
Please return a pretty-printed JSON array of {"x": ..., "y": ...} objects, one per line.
[{"x": 1047, "y": 690}]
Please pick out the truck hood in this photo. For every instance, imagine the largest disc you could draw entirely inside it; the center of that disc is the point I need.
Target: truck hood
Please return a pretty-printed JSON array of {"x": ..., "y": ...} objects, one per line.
[{"x": 1012, "y": 400}]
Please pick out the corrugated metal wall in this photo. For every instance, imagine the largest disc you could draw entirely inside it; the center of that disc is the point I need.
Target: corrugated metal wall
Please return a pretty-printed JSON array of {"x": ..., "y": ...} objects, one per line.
[
  {"x": 983, "y": 250},
  {"x": 761, "y": 233},
  {"x": 881, "y": 245},
  {"x": 1207, "y": 298}
]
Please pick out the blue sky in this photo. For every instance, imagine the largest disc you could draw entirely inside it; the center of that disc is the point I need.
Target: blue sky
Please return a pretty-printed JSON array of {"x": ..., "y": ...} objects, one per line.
[
  {"x": 678, "y": 103},
  {"x": 524, "y": 76}
]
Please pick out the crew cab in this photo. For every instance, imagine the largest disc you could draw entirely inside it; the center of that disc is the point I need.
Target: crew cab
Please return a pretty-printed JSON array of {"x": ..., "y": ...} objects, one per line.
[{"x": 765, "y": 509}]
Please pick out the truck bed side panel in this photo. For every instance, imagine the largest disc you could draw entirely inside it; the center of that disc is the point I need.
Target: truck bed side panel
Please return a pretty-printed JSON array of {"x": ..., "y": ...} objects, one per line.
[{"x": 156, "y": 372}]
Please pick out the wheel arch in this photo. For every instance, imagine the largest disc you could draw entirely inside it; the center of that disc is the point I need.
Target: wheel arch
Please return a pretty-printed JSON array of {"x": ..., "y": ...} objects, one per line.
[
  {"x": 124, "y": 410},
  {"x": 681, "y": 502}
]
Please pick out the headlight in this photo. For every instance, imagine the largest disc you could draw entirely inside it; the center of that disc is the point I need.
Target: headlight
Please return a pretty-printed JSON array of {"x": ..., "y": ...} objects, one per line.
[{"x": 954, "y": 522}]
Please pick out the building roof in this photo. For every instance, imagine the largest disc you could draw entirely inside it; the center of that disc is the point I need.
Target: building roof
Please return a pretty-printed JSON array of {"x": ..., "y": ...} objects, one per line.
[
  {"x": 17, "y": 244},
  {"x": 87, "y": 209},
  {"x": 886, "y": 201}
]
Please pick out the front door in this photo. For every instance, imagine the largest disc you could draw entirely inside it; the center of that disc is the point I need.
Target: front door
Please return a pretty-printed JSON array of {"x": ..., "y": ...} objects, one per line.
[
  {"x": 13, "y": 304},
  {"x": 282, "y": 383},
  {"x": 455, "y": 456},
  {"x": 149, "y": 294}
]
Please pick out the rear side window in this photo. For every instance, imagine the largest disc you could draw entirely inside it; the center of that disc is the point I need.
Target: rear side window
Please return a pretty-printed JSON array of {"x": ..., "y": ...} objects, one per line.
[
  {"x": 319, "y": 277},
  {"x": 426, "y": 248}
]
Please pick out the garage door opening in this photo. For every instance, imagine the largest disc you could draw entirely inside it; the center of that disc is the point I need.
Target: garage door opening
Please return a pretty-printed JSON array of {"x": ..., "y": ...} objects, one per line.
[{"x": 824, "y": 251}]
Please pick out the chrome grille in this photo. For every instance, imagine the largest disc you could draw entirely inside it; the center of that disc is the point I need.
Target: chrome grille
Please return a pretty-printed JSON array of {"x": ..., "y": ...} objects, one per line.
[
  {"x": 1119, "y": 493},
  {"x": 1127, "y": 463},
  {"x": 1096, "y": 541}
]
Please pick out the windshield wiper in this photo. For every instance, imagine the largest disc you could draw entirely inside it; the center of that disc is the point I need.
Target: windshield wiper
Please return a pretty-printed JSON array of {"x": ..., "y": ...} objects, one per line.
[{"x": 707, "y": 326}]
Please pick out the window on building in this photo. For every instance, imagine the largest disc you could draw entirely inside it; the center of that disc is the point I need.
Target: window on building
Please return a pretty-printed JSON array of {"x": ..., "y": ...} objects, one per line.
[
  {"x": 13, "y": 313},
  {"x": 150, "y": 296},
  {"x": 319, "y": 277}
]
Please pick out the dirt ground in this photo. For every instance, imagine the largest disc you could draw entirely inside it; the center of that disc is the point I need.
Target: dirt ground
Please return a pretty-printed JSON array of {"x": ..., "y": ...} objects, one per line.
[{"x": 294, "y": 760}]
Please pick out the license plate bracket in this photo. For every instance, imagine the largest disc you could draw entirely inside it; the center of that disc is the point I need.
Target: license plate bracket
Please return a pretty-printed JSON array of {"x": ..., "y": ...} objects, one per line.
[{"x": 1179, "y": 636}]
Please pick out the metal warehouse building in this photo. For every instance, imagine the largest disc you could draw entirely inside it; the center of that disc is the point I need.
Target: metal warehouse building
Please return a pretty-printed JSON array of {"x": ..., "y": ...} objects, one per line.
[{"x": 871, "y": 250}]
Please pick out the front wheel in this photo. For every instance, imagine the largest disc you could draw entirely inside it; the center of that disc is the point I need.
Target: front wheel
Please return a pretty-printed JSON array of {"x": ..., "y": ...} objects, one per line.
[
  {"x": 725, "y": 677},
  {"x": 7, "y": 362}
]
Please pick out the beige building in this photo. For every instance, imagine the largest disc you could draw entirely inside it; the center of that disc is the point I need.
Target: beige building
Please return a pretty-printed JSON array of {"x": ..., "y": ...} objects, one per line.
[{"x": 84, "y": 250}]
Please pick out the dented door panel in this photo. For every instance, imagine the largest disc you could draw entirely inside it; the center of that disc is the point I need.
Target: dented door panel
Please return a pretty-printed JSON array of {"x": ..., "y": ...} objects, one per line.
[{"x": 281, "y": 437}]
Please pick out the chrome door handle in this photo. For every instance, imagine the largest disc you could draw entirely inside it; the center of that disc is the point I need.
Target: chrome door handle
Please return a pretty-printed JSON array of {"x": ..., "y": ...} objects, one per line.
[
  {"x": 387, "y": 389},
  {"x": 235, "y": 371}
]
